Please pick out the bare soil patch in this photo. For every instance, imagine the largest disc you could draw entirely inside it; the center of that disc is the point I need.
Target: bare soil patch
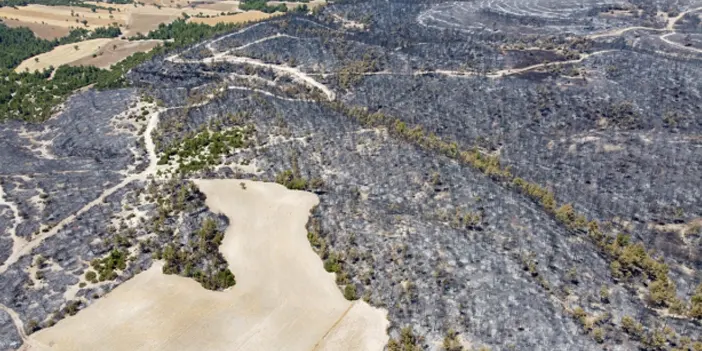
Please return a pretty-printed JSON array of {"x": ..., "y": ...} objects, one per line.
[{"x": 283, "y": 298}]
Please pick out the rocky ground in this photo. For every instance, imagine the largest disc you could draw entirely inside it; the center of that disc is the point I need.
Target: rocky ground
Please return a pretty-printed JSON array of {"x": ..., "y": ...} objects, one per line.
[{"x": 507, "y": 175}]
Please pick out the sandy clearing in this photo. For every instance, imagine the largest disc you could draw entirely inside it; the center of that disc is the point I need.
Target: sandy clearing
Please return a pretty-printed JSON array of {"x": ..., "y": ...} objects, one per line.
[
  {"x": 63, "y": 54},
  {"x": 43, "y": 31},
  {"x": 242, "y": 17},
  {"x": 115, "y": 51},
  {"x": 283, "y": 298}
]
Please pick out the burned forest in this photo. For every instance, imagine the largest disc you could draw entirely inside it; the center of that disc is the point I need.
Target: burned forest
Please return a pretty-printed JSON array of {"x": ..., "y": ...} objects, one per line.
[{"x": 495, "y": 174}]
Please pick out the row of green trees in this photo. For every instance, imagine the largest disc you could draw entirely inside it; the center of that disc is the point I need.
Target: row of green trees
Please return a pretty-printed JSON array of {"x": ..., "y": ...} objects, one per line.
[
  {"x": 205, "y": 149},
  {"x": 261, "y": 5},
  {"x": 630, "y": 262},
  {"x": 184, "y": 33},
  {"x": 19, "y": 44},
  {"x": 32, "y": 96},
  {"x": 79, "y": 34}
]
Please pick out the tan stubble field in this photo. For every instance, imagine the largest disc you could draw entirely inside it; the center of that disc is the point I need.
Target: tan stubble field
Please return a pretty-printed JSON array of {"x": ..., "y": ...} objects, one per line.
[{"x": 283, "y": 300}]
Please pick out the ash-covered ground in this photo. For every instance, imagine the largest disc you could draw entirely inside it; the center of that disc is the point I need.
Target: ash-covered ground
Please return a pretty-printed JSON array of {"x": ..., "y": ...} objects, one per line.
[{"x": 504, "y": 175}]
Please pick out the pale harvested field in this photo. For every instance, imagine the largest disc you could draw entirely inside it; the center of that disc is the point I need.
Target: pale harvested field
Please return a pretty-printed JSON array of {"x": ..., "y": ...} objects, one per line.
[
  {"x": 225, "y": 6},
  {"x": 63, "y": 54},
  {"x": 43, "y": 31},
  {"x": 132, "y": 20},
  {"x": 115, "y": 51},
  {"x": 60, "y": 16},
  {"x": 104, "y": 48},
  {"x": 283, "y": 300},
  {"x": 243, "y": 17},
  {"x": 142, "y": 19}
]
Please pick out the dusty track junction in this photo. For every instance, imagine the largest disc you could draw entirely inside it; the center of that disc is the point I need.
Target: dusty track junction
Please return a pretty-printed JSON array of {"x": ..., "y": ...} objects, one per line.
[{"x": 511, "y": 175}]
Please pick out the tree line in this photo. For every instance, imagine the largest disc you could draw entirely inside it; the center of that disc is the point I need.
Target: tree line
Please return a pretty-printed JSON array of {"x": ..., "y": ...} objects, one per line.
[
  {"x": 261, "y": 5},
  {"x": 184, "y": 33},
  {"x": 19, "y": 44},
  {"x": 32, "y": 97}
]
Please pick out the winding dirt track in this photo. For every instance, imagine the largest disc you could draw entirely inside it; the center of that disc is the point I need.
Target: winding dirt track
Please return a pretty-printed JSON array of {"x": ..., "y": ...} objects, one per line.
[
  {"x": 16, "y": 320},
  {"x": 227, "y": 56},
  {"x": 29, "y": 246},
  {"x": 307, "y": 79},
  {"x": 669, "y": 27},
  {"x": 17, "y": 242},
  {"x": 20, "y": 248}
]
